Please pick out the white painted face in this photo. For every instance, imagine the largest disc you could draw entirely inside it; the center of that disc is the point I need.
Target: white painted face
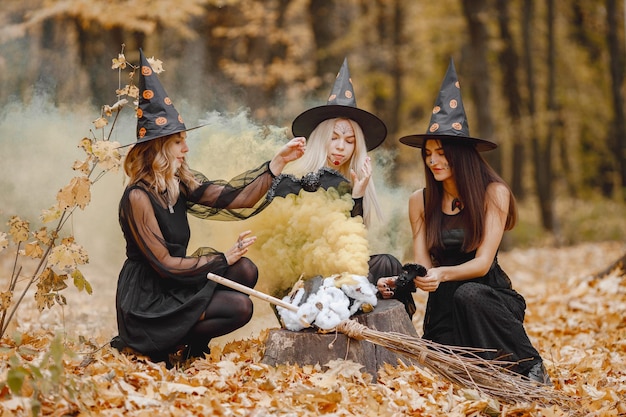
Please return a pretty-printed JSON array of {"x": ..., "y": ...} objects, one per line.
[{"x": 341, "y": 146}]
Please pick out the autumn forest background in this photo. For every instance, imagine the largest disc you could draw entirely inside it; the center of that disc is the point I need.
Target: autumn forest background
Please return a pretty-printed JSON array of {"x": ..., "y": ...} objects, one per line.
[{"x": 543, "y": 79}]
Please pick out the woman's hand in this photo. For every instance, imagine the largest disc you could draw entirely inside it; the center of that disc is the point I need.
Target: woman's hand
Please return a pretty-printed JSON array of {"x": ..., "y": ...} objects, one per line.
[
  {"x": 431, "y": 281},
  {"x": 291, "y": 151},
  {"x": 359, "y": 182},
  {"x": 240, "y": 248},
  {"x": 386, "y": 286}
]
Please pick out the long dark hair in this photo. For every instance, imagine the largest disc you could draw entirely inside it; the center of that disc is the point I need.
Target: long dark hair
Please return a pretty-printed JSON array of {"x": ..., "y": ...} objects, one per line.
[{"x": 472, "y": 175}]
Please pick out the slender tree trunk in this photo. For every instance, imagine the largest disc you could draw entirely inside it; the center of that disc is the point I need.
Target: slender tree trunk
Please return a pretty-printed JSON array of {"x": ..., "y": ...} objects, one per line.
[
  {"x": 478, "y": 73},
  {"x": 546, "y": 160},
  {"x": 617, "y": 141},
  {"x": 509, "y": 62},
  {"x": 542, "y": 182},
  {"x": 396, "y": 67},
  {"x": 327, "y": 26}
]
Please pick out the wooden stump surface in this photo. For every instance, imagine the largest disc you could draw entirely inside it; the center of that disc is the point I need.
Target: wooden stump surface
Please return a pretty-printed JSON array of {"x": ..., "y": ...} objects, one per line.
[{"x": 308, "y": 347}]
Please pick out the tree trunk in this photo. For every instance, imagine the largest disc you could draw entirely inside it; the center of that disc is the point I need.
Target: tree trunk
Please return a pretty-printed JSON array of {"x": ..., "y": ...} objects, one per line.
[
  {"x": 477, "y": 72},
  {"x": 509, "y": 61},
  {"x": 542, "y": 179},
  {"x": 617, "y": 141},
  {"x": 547, "y": 171},
  {"x": 328, "y": 23}
]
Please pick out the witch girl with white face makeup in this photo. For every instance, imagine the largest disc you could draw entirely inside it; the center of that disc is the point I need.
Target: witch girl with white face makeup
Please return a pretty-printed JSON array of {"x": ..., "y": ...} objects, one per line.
[
  {"x": 339, "y": 137},
  {"x": 164, "y": 301},
  {"x": 458, "y": 221}
]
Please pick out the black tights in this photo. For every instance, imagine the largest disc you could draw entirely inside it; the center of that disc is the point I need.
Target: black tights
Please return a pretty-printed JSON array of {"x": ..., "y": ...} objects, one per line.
[{"x": 228, "y": 310}]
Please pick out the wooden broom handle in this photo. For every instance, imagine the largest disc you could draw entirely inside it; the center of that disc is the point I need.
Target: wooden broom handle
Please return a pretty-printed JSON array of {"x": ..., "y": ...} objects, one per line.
[{"x": 247, "y": 290}]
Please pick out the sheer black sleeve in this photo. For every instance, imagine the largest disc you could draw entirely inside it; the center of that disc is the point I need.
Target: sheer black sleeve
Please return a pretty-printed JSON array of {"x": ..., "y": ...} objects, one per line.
[
  {"x": 240, "y": 198},
  {"x": 145, "y": 241}
]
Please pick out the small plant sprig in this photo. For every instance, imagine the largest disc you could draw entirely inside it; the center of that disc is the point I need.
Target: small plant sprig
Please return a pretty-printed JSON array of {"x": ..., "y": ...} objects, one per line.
[{"x": 57, "y": 257}]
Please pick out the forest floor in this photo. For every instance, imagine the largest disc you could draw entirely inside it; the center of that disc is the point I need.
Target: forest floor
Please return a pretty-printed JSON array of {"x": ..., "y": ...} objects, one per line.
[{"x": 577, "y": 322}]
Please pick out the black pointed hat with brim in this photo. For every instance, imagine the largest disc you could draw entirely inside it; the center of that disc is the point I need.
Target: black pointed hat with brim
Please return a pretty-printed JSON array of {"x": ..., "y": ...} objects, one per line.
[
  {"x": 156, "y": 114},
  {"x": 448, "y": 121},
  {"x": 342, "y": 104}
]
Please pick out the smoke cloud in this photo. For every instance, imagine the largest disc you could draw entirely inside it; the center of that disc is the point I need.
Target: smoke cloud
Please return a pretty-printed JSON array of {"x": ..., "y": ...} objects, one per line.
[{"x": 39, "y": 144}]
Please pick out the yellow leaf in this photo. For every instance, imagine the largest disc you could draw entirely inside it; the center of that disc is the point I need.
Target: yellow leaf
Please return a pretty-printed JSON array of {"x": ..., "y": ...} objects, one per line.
[
  {"x": 156, "y": 64},
  {"x": 82, "y": 166},
  {"x": 122, "y": 91},
  {"x": 85, "y": 143},
  {"x": 119, "y": 62},
  {"x": 33, "y": 250},
  {"x": 44, "y": 300},
  {"x": 18, "y": 229},
  {"x": 82, "y": 191},
  {"x": 65, "y": 197},
  {"x": 108, "y": 110},
  {"x": 4, "y": 241},
  {"x": 5, "y": 300},
  {"x": 77, "y": 192},
  {"x": 108, "y": 155},
  {"x": 43, "y": 236},
  {"x": 62, "y": 257},
  {"x": 80, "y": 282},
  {"x": 50, "y": 214},
  {"x": 133, "y": 91},
  {"x": 100, "y": 122}
]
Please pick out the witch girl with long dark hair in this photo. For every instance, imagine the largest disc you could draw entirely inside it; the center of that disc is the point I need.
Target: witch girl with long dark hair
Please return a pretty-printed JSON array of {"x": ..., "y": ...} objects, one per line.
[{"x": 458, "y": 221}]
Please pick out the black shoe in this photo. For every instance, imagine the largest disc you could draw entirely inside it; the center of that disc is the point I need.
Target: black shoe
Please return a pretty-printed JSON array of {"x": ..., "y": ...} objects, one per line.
[
  {"x": 539, "y": 374},
  {"x": 118, "y": 343}
]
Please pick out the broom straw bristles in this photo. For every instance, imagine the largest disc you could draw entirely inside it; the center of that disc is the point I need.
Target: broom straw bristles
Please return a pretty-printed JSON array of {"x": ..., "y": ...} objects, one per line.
[{"x": 460, "y": 365}]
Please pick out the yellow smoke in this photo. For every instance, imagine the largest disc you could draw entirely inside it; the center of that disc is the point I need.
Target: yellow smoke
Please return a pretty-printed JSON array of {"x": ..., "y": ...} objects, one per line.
[{"x": 309, "y": 234}]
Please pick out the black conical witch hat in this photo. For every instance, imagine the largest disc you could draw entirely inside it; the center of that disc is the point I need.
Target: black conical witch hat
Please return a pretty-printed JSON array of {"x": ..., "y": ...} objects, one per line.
[
  {"x": 449, "y": 121},
  {"x": 156, "y": 114},
  {"x": 342, "y": 103}
]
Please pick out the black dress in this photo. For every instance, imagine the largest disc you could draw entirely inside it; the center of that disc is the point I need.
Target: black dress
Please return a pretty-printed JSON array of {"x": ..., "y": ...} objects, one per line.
[
  {"x": 484, "y": 312},
  {"x": 161, "y": 291},
  {"x": 379, "y": 265}
]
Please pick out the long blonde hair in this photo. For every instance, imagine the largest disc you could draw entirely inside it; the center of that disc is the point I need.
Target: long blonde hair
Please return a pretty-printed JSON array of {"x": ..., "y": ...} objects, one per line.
[
  {"x": 151, "y": 162},
  {"x": 314, "y": 158}
]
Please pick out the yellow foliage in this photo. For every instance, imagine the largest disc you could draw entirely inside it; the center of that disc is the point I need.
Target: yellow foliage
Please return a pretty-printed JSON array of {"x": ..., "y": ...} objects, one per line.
[
  {"x": 77, "y": 192},
  {"x": 4, "y": 241},
  {"x": 100, "y": 122},
  {"x": 67, "y": 256},
  {"x": 108, "y": 155},
  {"x": 80, "y": 282},
  {"x": 119, "y": 62},
  {"x": 18, "y": 229},
  {"x": 33, "y": 250},
  {"x": 5, "y": 300},
  {"x": 51, "y": 214},
  {"x": 43, "y": 236}
]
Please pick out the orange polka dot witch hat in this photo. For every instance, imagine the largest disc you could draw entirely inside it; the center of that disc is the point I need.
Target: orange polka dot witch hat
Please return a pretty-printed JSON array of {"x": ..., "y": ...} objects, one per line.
[
  {"x": 156, "y": 114},
  {"x": 449, "y": 121},
  {"x": 342, "y": 103}
]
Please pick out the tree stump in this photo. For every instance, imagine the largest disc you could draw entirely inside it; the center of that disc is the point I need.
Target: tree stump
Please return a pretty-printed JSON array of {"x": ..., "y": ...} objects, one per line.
[{"x": 308, "y": 347}]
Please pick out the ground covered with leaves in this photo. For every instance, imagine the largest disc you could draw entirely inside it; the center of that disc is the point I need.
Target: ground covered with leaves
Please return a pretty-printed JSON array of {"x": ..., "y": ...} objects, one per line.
[{"x": 576, "y": 320}]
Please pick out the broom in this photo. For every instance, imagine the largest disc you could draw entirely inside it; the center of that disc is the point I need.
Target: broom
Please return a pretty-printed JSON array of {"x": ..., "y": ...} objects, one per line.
[{"x": 460, "y": 365}]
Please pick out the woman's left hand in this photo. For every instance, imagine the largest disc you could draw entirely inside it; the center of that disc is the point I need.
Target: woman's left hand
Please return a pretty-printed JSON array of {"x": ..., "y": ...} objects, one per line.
[
  {"x": 386, "y": 286},
  {"x": 240, "y": 248},
  {"x": 291, "y": 151},
  {"x": 359, "y": 182}
]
